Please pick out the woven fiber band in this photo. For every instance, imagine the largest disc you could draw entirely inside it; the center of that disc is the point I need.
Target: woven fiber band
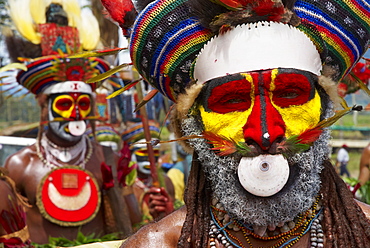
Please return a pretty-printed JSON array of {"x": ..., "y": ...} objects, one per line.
[
  {"x": 164, "y": 43},
  {"x": 135, "y": 132},
  {"x": 46, "y": 71},
  {"x": 343, "y": 25}
]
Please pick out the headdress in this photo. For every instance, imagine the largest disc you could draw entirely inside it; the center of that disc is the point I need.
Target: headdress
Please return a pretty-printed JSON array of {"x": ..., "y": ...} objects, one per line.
[
  {"x": 135, "y": 132},
  {"x": 168, "y": 35},
  {"x": 104, "y": 133},
  {"x": 56, "y": 28},
  {"x": 44, "y": 74},
  {"x": 55, "y": 25}
]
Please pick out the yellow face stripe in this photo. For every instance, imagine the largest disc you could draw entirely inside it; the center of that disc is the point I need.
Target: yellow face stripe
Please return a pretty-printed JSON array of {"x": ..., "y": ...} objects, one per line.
[
  {"x": 230, "y": 124},
  {"x": 300, "y": 118},
  {"x": 86, "y": 112},
  {"x": 297, "y": 119},
  {"x": 63, "y": 113},
  {"x": 66, "y": 113}
]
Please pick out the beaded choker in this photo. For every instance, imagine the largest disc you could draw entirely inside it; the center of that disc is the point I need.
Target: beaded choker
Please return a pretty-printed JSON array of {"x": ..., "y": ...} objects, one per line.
[
  {"x": 284, "y": 235},
  {"x": 54, "y": 156}
]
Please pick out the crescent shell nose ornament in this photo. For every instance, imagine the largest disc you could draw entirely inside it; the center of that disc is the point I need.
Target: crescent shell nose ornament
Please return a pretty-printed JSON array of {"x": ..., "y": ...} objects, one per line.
[
  {"x": 77, "y": 128},
  {"x": 264, "y": 175}
]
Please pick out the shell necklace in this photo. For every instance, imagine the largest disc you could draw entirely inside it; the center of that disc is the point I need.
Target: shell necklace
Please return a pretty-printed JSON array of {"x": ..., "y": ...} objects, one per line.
[
  {"x": 289, "y": 233},
  {"x": 54, "y": 156}
]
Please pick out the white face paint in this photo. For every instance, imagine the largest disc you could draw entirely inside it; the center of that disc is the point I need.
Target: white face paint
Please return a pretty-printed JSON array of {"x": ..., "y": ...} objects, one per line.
[
  {"x": 73, "y": 108},
  {"x": 61, "y": 130},
  {"x": 142, "y": 165}
]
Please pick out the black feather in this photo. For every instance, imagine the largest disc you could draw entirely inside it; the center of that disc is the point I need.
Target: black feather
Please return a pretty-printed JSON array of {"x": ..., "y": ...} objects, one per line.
[
  {"x": 141, "y": 4},
  {"x": 205, "y": 11},
  {"x": 289, "y": 4},
  {"x": 19, "y": 47}
]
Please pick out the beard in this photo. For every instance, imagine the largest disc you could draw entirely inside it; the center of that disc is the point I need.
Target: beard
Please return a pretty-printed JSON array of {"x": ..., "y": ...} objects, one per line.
[{"x": 297, "y": 196}]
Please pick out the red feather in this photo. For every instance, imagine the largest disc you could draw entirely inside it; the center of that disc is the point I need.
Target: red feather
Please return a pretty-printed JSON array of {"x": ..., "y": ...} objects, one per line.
[
  {"x": 220, "y": 143},
  {"x": 310, "y": 135},
  {"x": 121, "y": 11}
]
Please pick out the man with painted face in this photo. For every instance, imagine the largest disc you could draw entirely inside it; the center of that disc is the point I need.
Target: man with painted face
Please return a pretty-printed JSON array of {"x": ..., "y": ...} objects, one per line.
[
  {"x": 254, "y": 114},
  {"x": 62, "y": 174},
  {"x": 155, "y": 202}
]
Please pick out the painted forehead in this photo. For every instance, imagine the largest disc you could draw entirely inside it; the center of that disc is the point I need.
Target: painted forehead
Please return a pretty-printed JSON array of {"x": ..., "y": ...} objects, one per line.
[
  {"x": 286, "y": 84},
  {"x": 73, "y": 94}
]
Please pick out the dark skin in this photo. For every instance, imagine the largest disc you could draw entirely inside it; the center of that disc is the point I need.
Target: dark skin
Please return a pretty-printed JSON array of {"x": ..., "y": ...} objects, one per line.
[
  {"x": 26, "y": 169},
  {"x": 364, "y": 175},
  {"x": 166, "y": 232},
  {"x": 158, "y": 198}
]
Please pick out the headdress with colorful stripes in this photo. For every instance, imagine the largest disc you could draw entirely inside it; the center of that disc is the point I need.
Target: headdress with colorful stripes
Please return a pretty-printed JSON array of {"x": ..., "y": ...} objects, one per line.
[
  {"x": 104, "y": 133},
  {"x": 46, "y": 71},
  {"x": 135, "y": 132},
  {"x": 168, "y": 35}
]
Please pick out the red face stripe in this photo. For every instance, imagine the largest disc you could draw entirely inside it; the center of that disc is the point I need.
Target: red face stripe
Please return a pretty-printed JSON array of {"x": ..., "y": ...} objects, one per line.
[
  {"x": 265, "y": 124},
  {"x": 230, "y": 96},
  {"x": 84, "y": 103},
  {"x": 291, "y": 89},
  {"x": 63, "y": 104}
]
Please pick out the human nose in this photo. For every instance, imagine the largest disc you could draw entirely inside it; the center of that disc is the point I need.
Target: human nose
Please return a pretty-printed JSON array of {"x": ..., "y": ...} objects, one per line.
[
  {"x": 265, "y": 127},
  {"x": 75, "y": 113}
]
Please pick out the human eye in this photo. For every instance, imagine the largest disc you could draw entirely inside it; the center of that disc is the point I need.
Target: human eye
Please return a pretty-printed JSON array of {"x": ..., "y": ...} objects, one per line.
[{"x": 232, "y": 96}]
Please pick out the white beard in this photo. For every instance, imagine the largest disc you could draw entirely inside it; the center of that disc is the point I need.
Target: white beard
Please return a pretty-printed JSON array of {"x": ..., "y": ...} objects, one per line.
[{"x": 296, "y": 197}]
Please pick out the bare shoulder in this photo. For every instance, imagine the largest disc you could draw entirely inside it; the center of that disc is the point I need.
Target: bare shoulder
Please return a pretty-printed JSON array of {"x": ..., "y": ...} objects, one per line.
[
  {"x": 365, "y": 208},
  {"x": 164, "y": 233},
  {"x": 17, "y": 162}
]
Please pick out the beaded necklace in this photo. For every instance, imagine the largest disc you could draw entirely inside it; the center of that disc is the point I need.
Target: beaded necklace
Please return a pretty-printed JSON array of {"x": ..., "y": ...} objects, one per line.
[
  {"x": 222, "y": 224},
  {"x": 52, "y": 162}
]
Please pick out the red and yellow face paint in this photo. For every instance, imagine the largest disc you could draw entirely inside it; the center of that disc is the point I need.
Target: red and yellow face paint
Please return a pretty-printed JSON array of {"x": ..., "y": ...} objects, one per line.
[
  {"x": 74, "y": 106},
  {"x": 261, "y": 106}
]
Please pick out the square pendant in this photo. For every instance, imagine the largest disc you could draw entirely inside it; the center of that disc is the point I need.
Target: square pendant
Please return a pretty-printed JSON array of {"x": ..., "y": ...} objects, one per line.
[{"x": 69, "y": 181}]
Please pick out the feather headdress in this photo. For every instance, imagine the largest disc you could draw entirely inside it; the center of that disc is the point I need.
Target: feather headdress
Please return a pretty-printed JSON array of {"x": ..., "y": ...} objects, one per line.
[{"x": 51, "y": 25}]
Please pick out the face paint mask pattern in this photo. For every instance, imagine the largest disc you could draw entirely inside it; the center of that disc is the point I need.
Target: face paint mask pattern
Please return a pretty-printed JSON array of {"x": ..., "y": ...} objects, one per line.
[
  {"x": 68, "y": 113},
  {"x": 261, "y": 109}
]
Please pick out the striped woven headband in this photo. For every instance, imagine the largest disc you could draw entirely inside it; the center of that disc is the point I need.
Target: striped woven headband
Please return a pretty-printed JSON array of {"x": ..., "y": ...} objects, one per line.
[
  {"x": 104, "y": 133},
  {"x": 344, "y": 26},
  {"x": 50, "y": 70},
  {"x": 136, "y": 132},
  {"x": 164, "y": 43}
]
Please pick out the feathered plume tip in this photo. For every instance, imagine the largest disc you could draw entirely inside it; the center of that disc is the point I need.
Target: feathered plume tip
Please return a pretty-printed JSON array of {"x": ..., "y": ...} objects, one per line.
[
  {"x": 224, "y": 146},
  {"x": 123, "y": 89},
  {"x": 302, "y": 142},
  {"x": 222, "y": 15},
  {"x": 146, "y": 99},
  {"x": 292, "y": 145},
  {"x": 121, "y": 11}
]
